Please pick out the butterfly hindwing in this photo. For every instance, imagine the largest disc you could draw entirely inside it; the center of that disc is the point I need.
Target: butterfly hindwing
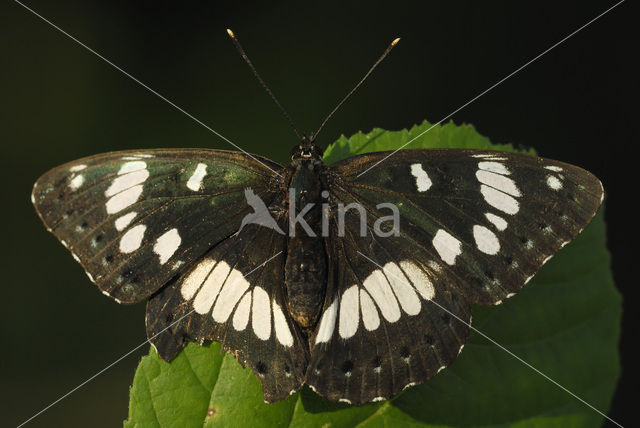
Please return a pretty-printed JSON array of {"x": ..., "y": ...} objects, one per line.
[
  {"x": 388, "y": 322},
  {"x": 136, "y": 219},
  {"x": 488, "y": 219},
  {"x": 234, "y": 295}
]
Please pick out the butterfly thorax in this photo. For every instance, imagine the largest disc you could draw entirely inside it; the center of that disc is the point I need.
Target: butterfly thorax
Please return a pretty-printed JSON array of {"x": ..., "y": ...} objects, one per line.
[{"x": 305, "y": 267}]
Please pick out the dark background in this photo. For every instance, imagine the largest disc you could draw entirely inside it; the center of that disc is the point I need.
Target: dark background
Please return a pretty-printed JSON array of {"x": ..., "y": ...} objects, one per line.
[{"x": 59, "y": 102}]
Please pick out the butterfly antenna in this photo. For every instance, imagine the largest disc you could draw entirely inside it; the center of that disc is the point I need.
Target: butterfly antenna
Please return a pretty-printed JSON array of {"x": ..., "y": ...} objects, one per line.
[
  {"x": 264, "y": 85},
  {"x": 386, "y": 52}
]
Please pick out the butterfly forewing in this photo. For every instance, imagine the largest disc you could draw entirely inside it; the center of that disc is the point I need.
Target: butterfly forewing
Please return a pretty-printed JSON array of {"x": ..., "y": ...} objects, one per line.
[
  {"x": 136, "y": 219},
  {"x": 488, "y": 220},
  {"x": 232, "y": 296}
]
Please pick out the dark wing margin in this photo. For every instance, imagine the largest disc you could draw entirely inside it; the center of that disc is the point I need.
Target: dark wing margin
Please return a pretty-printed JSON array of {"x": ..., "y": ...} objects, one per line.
[
  {"x": 136, "y": 219},
  {"x": 235, "y": 296}
]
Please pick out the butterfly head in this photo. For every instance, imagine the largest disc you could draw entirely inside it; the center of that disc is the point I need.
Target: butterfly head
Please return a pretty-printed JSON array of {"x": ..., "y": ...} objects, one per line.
[{"x": 306, "y": 150}]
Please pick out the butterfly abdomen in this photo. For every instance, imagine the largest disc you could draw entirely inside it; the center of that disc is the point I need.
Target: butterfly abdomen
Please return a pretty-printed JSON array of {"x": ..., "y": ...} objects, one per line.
[{"x": 306, "y": 263}]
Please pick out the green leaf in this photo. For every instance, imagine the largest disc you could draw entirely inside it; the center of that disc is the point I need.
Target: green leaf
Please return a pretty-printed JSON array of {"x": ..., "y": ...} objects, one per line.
[
  {"x": 424, "y": 136},
  {"x": 565, "y": 323}
]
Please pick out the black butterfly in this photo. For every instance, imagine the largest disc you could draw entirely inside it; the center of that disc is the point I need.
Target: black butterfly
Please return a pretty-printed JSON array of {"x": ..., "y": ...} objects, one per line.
[
  {"x": 359, "y": 311},
  {"x": 352, "y": 316}
]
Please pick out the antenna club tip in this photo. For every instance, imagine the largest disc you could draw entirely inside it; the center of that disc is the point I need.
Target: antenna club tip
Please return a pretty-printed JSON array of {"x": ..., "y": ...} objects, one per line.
[
  {"x": 230, "y": 33},
  {"x": 395, "y": 42}
]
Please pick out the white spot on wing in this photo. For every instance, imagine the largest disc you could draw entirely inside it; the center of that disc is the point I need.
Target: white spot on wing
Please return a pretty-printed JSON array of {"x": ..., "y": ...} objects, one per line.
[
  {"x": 327, "y": 323},
  {"x": 197, "y": 276},
  {"x": 496, "y": 167},
  {"x": 122, "y": 222},
  {"x": 447, "y": 246},
  {"x": 499, "y": 200},
  {"x": 137, "y": 156},
  {"x": 132, "y": 166},
  {"x": 434, "y": 266},
  {"x": 76, "y": 182},
  {"x": 553, "y": 182},
  {"x": 234, "y": 287},
  {"x": 167, "y": 244},
  {"x": 553, "y": 168},
  {"x": 409, "y": 385},
  {"x": 498, "y": 222},
  {"x": 370, "y": 317},
  {"x": 77, "y": 168},
  {"x": 283, "y": 334},
  {"x": 419, "y": 279},
  {"x": 486, "y": 240},
  {"x": 123, "y": 182},
  {"x": 195, "y": 181},
  {"x": 599, "y": 182},
  {"x": 492, "y": 156},
  {"x": 378, "y": 287},
  {"x": 241, "y": 315},
  {"x": 132, "y": 240},
  {"x": 261, "y": 313},
  {"x": 123, "y": 199},
  {"x": 349, "y": 313},
  {"x": 211, "y": 288},
  {"x": 423, "y": 182},
  {"x": 402, "y": 288},
  {"x": 497, "y": 181}
]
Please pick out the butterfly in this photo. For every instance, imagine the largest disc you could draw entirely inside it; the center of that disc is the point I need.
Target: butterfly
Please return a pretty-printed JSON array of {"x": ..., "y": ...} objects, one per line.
[
  {"x": 356, "y": 278},
  {"x": 356, "y": 317}
]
